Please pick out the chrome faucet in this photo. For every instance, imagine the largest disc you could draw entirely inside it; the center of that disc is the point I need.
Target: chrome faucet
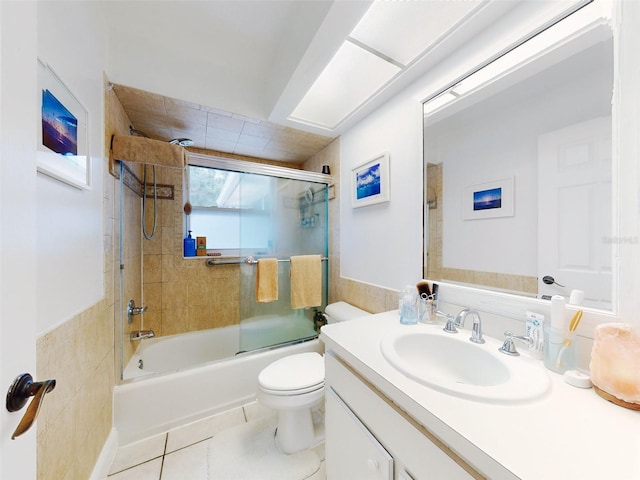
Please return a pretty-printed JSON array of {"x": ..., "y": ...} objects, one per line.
[
  {"x": 476, "y": 328},
  {"x": 141, "y": 334},
  {"x": 133, "y": 310},
  {"x": 509, "y": 348}
]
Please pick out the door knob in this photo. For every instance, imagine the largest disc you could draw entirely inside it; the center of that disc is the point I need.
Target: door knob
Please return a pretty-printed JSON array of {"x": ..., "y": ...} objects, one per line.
[
  {"x": 19, "y": 392},
  {"x": 549, "y": 280}
]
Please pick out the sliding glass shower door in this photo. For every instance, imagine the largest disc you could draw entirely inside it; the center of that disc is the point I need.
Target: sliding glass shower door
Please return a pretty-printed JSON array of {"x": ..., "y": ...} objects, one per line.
[
  {"x": 286, "y": 217},
  {"x": 253, "y": 211}
]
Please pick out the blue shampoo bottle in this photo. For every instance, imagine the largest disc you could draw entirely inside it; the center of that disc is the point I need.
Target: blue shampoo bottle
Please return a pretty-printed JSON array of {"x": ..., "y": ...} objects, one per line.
[{"x": 189, "y": 246}]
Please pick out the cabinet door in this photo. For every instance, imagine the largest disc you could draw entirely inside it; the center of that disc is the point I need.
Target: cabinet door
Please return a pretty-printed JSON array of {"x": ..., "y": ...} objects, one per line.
[{"x": 352, "y": 452}]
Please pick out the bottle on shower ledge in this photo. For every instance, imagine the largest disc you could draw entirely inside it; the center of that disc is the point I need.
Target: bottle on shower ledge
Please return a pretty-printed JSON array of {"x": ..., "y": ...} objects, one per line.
[{"x": 189, "y": 246}]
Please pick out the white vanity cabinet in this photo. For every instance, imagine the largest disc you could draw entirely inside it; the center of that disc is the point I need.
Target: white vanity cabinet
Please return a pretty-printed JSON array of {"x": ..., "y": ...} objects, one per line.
[
  {"x": 354, "y": 451},
  {"x": 368, "y": 437}
]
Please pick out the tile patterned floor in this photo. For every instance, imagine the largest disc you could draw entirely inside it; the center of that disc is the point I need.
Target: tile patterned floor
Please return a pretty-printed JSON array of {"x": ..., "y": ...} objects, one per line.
[{"x": 181, "y": 454}]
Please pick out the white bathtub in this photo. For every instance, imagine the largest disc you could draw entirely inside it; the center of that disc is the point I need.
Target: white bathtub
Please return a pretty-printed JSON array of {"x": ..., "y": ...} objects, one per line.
[
  {"x": 145, "y": 406},
  {"x": 178, "y": 352}
]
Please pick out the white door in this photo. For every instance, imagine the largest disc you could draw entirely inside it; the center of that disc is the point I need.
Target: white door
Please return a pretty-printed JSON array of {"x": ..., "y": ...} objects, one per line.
[
  {"x": 574, "y": 205},
  {"x": 18, "y": 121}
]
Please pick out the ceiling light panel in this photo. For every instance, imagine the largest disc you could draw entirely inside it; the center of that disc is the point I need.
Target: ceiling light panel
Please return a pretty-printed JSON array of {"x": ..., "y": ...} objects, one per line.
[
  {"x": 568, "y": 30},
  {"x": 351, "y": 77},
  {"x": 403, "y": 30}
]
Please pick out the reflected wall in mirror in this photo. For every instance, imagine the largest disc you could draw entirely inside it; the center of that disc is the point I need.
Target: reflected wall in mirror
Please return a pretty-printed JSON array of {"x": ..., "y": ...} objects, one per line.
[{"x": 546, "y": 125}]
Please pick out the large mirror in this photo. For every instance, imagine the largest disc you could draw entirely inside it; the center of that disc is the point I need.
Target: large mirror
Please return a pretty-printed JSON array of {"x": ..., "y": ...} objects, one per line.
[{"x": 518, "y": 172}]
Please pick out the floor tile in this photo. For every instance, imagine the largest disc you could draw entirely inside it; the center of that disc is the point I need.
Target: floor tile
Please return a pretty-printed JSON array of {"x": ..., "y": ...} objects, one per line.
[
  {"x": 320, "y": 450},
  {"x": 321, "y": 474},
  {"x": 146, "y": 471},
  {"x": 203, "y": 429},
  {"x": 138, "y": 452},
  {"x": 255, "y": 410},
  {"x": 189, "y": 463},
  {"x": 183, "y": 453}
]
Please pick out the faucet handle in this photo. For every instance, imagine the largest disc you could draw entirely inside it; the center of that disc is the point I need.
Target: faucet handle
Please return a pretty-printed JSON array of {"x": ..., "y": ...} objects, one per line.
[
  {"x": 450, "y": 327},
  {"x": 509, "y": 347}
]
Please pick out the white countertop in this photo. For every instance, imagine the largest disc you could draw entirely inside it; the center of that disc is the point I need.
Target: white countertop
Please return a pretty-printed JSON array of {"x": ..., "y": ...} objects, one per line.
[{"x": 571, "y": 433}]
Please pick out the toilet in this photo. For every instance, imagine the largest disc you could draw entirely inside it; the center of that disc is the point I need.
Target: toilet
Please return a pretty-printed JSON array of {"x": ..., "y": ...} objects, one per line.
[{"x": 294, "y": 387}]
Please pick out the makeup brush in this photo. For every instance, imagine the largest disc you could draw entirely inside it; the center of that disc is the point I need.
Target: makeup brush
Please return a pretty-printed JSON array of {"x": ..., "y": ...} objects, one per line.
[{"x": 424, "y": 288}]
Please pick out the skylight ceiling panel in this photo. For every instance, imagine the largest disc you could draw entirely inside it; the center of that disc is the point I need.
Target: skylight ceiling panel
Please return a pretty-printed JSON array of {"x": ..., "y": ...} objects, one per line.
[
  {"x": 403, "y": 30},
  {"x": 351, "y": 77}
]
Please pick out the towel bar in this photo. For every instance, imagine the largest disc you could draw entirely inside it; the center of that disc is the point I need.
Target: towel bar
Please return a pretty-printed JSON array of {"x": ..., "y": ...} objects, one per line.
[{"x": 248, "y": 260}]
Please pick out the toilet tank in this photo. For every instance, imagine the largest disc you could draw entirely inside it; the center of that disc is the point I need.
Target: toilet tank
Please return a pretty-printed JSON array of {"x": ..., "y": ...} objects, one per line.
[{"x": 343, "y": 311}]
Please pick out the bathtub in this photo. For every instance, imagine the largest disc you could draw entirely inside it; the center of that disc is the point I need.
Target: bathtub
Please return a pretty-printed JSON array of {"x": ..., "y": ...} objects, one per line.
[
  {"x": 205, "y": 377},
  {"x": 179, "y": 352}
]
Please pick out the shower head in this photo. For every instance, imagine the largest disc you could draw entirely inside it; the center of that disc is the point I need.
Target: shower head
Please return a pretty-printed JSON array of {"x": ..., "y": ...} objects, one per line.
[
  {"x": 183, "y": 142},
  {"x": 139, "y": 133}
]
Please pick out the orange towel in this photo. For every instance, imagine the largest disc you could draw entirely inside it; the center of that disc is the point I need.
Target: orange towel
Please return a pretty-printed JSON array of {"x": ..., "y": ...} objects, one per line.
[
  {"x": 306, "y": 281},
  {"x": 267, "y": 280}
]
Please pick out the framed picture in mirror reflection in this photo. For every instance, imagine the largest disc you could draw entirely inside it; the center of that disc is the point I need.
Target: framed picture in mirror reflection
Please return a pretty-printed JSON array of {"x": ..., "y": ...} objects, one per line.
[{"x": 488, "y": 199}]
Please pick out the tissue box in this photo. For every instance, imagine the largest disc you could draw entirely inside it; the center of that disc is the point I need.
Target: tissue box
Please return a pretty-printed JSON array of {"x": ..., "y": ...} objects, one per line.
[{"x": 615, "y": 363}]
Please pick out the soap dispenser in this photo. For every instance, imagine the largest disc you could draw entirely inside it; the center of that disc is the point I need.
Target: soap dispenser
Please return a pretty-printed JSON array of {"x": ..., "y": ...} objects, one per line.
[{"x": 189, "y": 246}]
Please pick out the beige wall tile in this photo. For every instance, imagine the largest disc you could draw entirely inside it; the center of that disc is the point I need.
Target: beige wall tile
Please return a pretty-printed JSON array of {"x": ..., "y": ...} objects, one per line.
[
  {"x": 152, "y": 268},
  {"x": 152, "y": 321},
  {"x": 175, "y": 320}
]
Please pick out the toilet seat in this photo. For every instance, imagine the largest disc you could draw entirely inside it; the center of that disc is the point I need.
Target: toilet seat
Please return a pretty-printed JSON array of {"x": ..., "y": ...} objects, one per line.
[
  {"x": 301, "y": 391},
  {"x": 293, "y": 375}
]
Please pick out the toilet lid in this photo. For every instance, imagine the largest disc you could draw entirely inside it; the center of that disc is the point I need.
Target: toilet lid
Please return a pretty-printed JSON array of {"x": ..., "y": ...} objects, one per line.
[{"x": 294, "y": 372}]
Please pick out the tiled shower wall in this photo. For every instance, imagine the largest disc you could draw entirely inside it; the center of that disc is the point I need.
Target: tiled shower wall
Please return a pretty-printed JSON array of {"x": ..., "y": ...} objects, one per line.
[{"x": 182, "y": 295}]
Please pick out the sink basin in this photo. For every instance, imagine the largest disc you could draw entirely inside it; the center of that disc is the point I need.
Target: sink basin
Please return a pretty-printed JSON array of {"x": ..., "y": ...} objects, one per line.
[{"x": 452, "y": 364}]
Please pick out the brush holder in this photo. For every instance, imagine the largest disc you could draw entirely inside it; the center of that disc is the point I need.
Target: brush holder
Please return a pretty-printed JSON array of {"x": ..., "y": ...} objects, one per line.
[
  {"x": 559, "y": 350},
  {"x": 426, "y": 310}
]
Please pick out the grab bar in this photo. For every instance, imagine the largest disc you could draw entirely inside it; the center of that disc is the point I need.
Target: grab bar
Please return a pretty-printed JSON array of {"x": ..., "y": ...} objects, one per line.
[{"x": 248, "y": 260}]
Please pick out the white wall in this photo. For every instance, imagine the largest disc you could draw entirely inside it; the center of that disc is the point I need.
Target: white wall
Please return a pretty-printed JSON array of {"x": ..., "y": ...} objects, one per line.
[
  {"x": 70, "y": 238},
  {"x": 381, "y": 244}
]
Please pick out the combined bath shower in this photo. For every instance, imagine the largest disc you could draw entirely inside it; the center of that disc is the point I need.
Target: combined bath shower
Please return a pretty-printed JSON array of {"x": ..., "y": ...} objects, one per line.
[{"x": 183, "y": 142}]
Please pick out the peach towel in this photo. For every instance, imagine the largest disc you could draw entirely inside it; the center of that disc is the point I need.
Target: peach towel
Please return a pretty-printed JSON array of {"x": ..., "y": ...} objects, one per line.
[
  {"x": 130, "y": 148},
  {"x": 306, "y": 281},
  {"x": 267, "y": 280}
]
